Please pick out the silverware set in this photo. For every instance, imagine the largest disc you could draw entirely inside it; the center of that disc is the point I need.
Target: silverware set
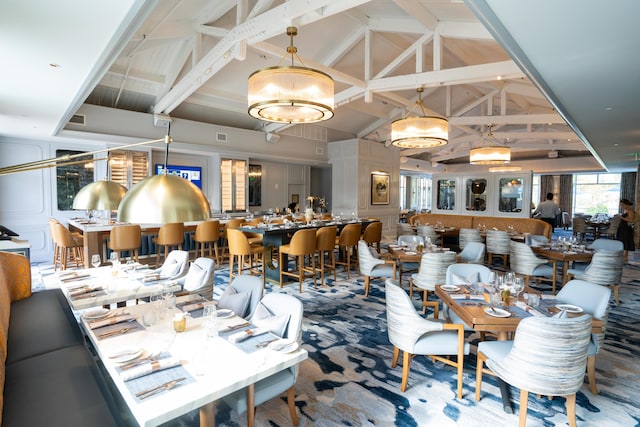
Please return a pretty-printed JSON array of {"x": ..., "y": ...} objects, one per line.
[
  {"x": 234, "y": 327},
  {"x": 157, "y": 389},
  {"x": 150, "y": 358},
  {"x": 266, "y": 343},
  {"x": 115, "y": 332}
]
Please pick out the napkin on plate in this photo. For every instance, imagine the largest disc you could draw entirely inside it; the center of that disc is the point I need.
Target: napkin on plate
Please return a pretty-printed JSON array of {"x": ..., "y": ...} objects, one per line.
[
  {"x": 95, "y": 324},
  {"x": 532, "y": 311},
  {"x": 196, "y": 306},
  {"x": 147, "y": 368},
  {"x": 243, "y": 335}
]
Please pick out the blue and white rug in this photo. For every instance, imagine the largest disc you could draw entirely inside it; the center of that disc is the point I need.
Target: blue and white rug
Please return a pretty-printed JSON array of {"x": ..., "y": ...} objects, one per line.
[{"x": 347, "y": 379}]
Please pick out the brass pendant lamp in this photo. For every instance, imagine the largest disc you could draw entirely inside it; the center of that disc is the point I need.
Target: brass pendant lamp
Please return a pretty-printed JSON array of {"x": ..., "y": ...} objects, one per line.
[
  {"x": 493, "y": 154},
  {"x": 161, "y": 199},
  {"x": 420, "y": 131},
  {"x": 100, "y": 195},
  {"x": 290, "y": 94}
]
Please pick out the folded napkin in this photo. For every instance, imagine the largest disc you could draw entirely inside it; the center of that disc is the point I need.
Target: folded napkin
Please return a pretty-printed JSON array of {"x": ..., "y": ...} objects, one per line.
[
  {"x": 532, "y": 311},
  {"x": 85, "y": 289},
  {"x": 458, "y": 296},
  {"x": 243, "y": 335},
  {"x": 147, "y": 368},
  {"x": 70, "y": 277},
  {"x": 196, "y": 306},
  {"x": 151, "y": 278},
  {"x": 99, "y": 323}
]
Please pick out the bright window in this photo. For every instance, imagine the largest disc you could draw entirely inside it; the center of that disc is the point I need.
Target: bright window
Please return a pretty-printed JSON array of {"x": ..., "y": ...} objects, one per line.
[
  {"x": 596, "y": 193},
  {"x": 415, "y": 192}
]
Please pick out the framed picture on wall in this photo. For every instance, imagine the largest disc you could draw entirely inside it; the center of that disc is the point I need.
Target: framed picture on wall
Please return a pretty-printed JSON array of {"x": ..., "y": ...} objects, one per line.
[{"x": 379, "y": 189}]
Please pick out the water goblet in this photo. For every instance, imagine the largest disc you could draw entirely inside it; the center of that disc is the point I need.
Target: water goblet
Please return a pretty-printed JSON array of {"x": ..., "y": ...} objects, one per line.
[
  {"x": 113, "y": 257},
  {"x": 95, "y": 260},
  {"x": 211, "y": 320}
]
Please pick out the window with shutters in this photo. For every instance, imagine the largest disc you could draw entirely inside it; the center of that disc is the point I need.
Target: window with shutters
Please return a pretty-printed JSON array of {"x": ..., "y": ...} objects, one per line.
[
  {"x": 233, "y": 185},
  {"x": 128, "y": 167}
]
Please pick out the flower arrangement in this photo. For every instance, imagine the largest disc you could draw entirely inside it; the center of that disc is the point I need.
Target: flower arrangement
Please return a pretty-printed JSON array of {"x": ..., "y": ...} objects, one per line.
[{"x": 318, "y": 202}]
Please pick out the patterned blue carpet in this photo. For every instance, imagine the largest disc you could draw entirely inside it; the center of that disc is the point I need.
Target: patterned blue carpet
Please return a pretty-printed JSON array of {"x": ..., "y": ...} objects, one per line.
[{"x": 347, "y": 379}]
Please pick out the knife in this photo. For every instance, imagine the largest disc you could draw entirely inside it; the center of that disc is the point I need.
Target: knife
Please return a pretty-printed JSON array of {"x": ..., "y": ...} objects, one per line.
[{"x": 153, "y": 390}]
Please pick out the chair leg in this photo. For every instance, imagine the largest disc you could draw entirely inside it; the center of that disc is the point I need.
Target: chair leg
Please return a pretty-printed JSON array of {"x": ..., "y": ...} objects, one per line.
[
  {"x": 396, "y": 356},
  {"x": 291, "y": 401},
  {"x": 616, "y": 294},
  {"x": 591, "y": 374},
  {"x": 571, "y": 409},
  {"x": 280, "y": 265},
  {"x": 406, "y": 364},
  {"x": 524, "y": 403},
  {"x": 367, "y": 282},
  {"x": 479, "y": 366}
]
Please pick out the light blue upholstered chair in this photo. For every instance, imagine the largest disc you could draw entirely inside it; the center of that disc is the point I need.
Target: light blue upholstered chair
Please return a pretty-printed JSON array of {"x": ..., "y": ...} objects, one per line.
[
  {"x": 243, "y": 295},
  {"x": 548, "y": 356},
  {"x": 408, "y": 267},
  {"x": 607, "y": 245},
  {"x": 413, "y": 335},
  {"x": 497, "y": 244},
  {"x": 174, "y": 265},
  {"x": 467, "y": 235},
  {"x": 605, "y": 269},
  {"x": 524, "y": 261},
  {"x": 433, "y": 271},
  {"x": 199, "y": 278},
  {"x": 372, "y": 266},
  {"x": 428, "y": 233},
  {"x": 594, "y": 300},
  {"x": 473, "y": 253},
  {"x": 535, "y": 240},
  {"x": 464, "y": 274},
  {"x": 285, "y": 380}
]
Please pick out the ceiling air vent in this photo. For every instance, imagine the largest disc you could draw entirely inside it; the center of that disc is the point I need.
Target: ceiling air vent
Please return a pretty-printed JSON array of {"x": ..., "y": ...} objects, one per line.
[
  {"x": 221, "y": 137},
  {"x": 553, "y": 154},
  {"x": 78, "y": 119}
]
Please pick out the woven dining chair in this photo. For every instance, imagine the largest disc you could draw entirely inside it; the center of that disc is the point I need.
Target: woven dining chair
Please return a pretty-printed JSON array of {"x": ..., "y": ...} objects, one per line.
[
  {"x": 414, "y": 335},
  {"x": 548, "y": 356},
  {"x": 497, "y": 244},
  {"x": 605, "y": 269},
  {"x": 372, "y": 266},
  {"x": 433, "y": 271}
]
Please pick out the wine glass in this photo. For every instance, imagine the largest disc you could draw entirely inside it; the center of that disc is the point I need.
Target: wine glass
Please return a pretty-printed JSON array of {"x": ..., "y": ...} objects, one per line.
[
  {"x": 518, "y": 286},
  {"x": 113, "y": 257},
  {"x": 95, "y": 260}
]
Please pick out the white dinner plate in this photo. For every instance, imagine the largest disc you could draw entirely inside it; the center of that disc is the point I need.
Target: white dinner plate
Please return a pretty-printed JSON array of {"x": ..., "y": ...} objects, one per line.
[
  {"x": 98, "y": 313},
  {"x": 284, "y": 345},
  {"x": 126, "y": 355},
  {"x": 411, "y": 253},
  {"x": 450, "y": 288},
  {"x": 569, "y": 308},
  {"x": 497, "y": 312},
  {"x": 224, "y": 313}
]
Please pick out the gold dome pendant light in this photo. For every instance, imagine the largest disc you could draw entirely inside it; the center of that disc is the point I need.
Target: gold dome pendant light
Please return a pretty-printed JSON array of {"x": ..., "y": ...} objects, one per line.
[
  {"x": 420, "y": 131},
  {"x": 102, "y": 195},
  {"x": 161, "y": 199},
  {"x": 290, "y": 94},
  {"x": 490, "y": 155}
]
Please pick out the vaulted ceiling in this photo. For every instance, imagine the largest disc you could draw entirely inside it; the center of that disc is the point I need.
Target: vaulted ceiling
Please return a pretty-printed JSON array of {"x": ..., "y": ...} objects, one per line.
[{"x": 191, "y": 59}]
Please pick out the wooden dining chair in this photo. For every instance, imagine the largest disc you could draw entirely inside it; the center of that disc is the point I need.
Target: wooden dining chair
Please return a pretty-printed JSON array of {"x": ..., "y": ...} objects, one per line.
[{"x": 347, "y": 243}]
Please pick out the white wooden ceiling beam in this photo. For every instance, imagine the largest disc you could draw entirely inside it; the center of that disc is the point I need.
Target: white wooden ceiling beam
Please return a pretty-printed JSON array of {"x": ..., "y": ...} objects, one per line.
[
  {"x": 373, "y": 127},
  {"x": 345, "y": 47},
  {"x": 463, "y": 30},
  {"x": 507, "y": 120},
  {"x": 261, "y": 6},
  {"x": 397, "y": 25},
  {"x": 415, "y": 9},
  {"x": 451, "y": 76}
]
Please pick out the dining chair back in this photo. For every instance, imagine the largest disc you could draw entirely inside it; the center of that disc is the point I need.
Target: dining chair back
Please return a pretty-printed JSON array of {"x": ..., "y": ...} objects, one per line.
[
  {"x": 473, "y": 253},
  {"x": 325, "y": 245},
  {"x": 594, "y": 300},
  {"x": 200, "y": 277},
  {"x": 126, "y": 237},
  {"x": 174, "y": 265},
  {"x": 244, "y": 253},
  {"x": 580, "y": 227},
  {"x": 497, "y": 244},
  {"x": 373, "y": 234},
  {"x": 231, "y": 224},
  {"x": 404, "y": 229},
  {"x": 347, "y": 244},
  {"x": 524, "y": 261},
  {"x": 169, "y": 235},
  {"x": 413, "y": 335},
  {"x": 69, "y": 247},
  {"x": 468, "y": 235},
  {"x": 277, "y": 304},
  {"x": 302, "y": 245},
  {"x": 535, "y": 240},
  {"x": 208, "y": 232},
  {"x": 605, "y": 269},
  {"x": 429, "y": 234},
  {"x": 612, "y": 229},
  {"x": 372, "y": 266},
  {"x": 607, "y": 245},
  {"x": 464, "y": 274},
  {"x": 432, "y": 272},
  {"x": 242, "y": 295},
  {"x": 548, "y": 356}
]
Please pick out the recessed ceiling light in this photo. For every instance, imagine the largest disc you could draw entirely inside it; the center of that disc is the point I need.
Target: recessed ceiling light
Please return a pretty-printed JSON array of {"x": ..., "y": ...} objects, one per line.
[
  {"x": 499, "y": 78},
  {"x": 615, "y": 145},
  {"x": 608, "y": 109}
]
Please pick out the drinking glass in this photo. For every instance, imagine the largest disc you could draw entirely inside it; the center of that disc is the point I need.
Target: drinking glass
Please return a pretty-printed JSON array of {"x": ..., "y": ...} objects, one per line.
[
  {"x": 518, "y": 286},
  {"x": 113, "y": 257},
  {"x": 95, "y": 260},
  {"x": 131, "y": 266},
  {"x": 492, "y": 279},
  {"x": 510, "y": 277},
  {"x": 210, "y": 320}
]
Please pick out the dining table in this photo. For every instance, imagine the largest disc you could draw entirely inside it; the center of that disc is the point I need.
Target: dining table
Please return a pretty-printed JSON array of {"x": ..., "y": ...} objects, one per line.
[
  {"x": 564, "y": 255},
  {"x": 162, "y": 374},
  {"x": 101, "y": 286}
]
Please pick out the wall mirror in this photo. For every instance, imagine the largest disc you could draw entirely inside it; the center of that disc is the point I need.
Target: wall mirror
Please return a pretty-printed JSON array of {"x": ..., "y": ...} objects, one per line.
[
  {"x": 510, "y": 199},
  {"x": 446, "y": 194},
  {"x": 476, "y": 194}
]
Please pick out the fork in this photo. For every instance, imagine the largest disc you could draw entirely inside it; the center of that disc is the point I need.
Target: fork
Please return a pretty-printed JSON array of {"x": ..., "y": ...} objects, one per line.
[
  {"x": 162, "y": 387},
  {"x": 114, "y": 333}
]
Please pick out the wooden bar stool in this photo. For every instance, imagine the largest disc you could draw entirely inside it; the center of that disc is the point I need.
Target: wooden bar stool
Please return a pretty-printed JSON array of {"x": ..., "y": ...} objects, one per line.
[
  {"x": 169, "y": 235},
  {"x": 126, "y": 238},
  {"x": 325, "y": 245},
  {"x": 303, "y": 244},
  {"x": 244, "y": 252},
  {"x": 208, "y": 232},
  {"x": 347, "y": 244},
  {"x": 68, "y": 247}
]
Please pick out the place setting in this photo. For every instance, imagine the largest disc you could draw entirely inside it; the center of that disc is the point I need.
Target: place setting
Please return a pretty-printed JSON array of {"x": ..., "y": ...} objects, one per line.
[{"x": 110, "y": 323}]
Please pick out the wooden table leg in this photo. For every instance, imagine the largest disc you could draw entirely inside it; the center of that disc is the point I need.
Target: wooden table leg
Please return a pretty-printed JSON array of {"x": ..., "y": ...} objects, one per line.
[
  {"x": 208, "y": 415},
  {"x": 251, "y": 408}
]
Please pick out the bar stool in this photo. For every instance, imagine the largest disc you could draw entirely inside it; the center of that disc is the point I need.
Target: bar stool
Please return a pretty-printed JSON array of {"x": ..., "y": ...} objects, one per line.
[
  {"x": 126, "y": 238},
  {"x": 231, "y": 224},
  {"x": 325, "y": 244},
  {"x": 240, "y": 247},
  {"x": 169, "y": 235},
  {"x": 69, "y": 248},
  {"x": 303, "y": 244},
  {"x": 373, "y": 234},
  {"x": 346, "y": 243},
  {"x": 208, "y": 232}
]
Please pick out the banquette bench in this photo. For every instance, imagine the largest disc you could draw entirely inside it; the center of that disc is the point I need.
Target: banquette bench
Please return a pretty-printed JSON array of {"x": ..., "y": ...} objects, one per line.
[
  {"x": 47, "y": 374},
  {"x": 521, "y": 225}
]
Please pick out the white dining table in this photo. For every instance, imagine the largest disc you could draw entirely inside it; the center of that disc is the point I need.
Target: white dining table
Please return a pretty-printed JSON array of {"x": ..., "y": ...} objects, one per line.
[
  {"x": 218, "y": 366},
  {"x": 120, "y": 288}
]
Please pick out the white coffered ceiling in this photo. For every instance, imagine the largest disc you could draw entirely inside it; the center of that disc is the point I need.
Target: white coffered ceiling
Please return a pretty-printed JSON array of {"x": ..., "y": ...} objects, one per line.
[{"x": 191, "y": 59}]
